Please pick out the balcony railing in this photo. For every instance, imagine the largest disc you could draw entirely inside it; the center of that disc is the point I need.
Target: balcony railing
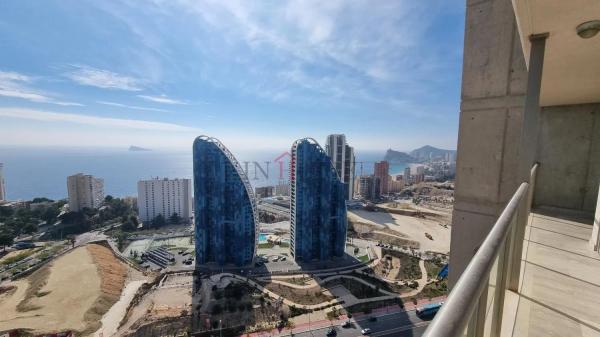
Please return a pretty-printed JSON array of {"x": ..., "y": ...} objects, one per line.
[{"x": 474, "y": 306}]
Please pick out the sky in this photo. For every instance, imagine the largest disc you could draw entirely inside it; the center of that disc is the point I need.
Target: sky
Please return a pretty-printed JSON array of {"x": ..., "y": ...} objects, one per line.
[{"x": 255, "y": 74}]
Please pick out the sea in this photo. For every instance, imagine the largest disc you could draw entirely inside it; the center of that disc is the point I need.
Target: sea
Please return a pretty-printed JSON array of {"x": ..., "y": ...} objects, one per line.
[{"x": 42, "y": 172}]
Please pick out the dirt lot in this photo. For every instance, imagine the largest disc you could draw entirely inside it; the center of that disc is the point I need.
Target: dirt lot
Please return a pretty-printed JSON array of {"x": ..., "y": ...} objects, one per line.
[
  {"x": 407, "y": 227},
  {"x": 71, "y": 292},
  {"x": 309, "y": 296}
]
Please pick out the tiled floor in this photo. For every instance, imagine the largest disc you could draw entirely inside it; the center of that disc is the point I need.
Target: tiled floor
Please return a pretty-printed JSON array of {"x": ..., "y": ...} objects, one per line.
[{"x": 560, "y": 285}]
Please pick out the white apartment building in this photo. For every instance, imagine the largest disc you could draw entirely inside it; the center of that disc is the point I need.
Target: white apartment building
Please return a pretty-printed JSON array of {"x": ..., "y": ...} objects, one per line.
[
  {"x": 2, "y": 184},
  {"x": 166, "y": 197},
  {"x": 342, "y": 157},
  {"x": 85, "y": 191}
]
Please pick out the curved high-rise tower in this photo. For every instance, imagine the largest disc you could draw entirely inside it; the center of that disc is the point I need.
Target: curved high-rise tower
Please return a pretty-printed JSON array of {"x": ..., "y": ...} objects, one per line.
[
  {"x": 225, "y": 211},
  {"x": 318, "y": 206}
]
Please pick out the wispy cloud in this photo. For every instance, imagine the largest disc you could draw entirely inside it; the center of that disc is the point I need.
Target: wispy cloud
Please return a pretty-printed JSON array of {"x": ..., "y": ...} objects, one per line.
[
  {"x": 96, "y": 121},
  {"x": 134, "y": 107},
  {"x": 161, "y": 99},
  {"x": 17, "y": 85},
  {"x": 101, "y": 78}
]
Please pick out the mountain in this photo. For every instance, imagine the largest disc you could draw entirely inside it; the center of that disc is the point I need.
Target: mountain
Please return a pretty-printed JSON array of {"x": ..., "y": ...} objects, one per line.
[
  {"x": 423, "y": 153},
  {"x": 398, "y": 157},
  {"x": 137, "y": 148}
]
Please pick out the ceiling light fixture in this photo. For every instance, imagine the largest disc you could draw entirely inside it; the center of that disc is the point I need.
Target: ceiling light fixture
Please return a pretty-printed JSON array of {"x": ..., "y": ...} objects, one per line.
[{"x": 588, "y": 29}]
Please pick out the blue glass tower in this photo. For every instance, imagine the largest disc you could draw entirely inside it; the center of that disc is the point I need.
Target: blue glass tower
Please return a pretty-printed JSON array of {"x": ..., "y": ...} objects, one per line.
[
  {"x": 318, "y": 206},
  {"x": 225, "y": 212}
]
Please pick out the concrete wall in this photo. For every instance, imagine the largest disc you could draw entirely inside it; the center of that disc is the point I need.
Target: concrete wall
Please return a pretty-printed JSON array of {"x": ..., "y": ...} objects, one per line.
[
  {"x": 493, "y": 95},
  {"x": 568, "y": 150}
]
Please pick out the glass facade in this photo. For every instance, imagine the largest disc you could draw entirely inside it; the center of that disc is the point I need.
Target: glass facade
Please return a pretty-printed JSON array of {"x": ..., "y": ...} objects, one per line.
[
  {"x": 225, "y": 212},
  {"x": 318, "y": 205}
]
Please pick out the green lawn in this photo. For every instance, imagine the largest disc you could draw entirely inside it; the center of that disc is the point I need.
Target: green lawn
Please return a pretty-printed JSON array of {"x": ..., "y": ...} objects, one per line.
[
  {"x": 364, "y": 258},
  {"x": 265, "y": 245}
]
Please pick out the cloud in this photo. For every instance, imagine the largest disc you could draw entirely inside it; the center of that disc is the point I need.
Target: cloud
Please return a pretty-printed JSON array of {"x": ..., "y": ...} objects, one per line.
[
  {"x": 135, "y": 107},
  {"x": 161, "y": 99},
  {"x": 17, "y": 85},
  {"x": 96, "y": 121},
  {"x": 105, "y": 79}
]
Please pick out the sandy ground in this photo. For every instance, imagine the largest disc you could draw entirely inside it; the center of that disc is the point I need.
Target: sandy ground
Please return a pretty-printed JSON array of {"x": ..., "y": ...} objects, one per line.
[
  {"x": 409, "y": 227},
  {"x": 72, "y": 287},
  {"x": 167, "y": 301},
  {"x": 71, "y": 293}
]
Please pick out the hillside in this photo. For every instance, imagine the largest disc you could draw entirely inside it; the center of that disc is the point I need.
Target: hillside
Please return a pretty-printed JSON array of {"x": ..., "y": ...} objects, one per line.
[
  {"x": 398, "y": 157},
  {"x": 423, "y": 153}
]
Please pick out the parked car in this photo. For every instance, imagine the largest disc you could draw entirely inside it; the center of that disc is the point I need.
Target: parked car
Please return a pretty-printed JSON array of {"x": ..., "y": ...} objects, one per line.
[
  {"x": 331, "y": 332},
  {"x": 346, "y": 324},
  {"x": 23, "y": 245},
  {"x": 365, "y": 331}
]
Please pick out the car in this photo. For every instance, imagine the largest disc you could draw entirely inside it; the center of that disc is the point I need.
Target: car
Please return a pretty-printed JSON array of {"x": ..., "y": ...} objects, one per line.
[
  {"x": 331, "y": 332},
  {"x": 365, "y": 331},
  {"x": 346, "y": 324},
  {"x": 23, "y": 245},
  {"x": 283, "y": 258},
  {"x": 372, "y": 319}
]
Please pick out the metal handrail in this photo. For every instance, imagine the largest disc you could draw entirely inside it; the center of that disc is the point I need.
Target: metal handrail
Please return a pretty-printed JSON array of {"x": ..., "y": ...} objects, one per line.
[{"x": 456, "y": 312}]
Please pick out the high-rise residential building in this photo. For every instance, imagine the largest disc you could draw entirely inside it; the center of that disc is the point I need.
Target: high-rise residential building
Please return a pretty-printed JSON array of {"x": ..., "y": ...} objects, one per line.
[
  {"x": 406, "y": 177},
  {"x": 165, "y": 197},
  {"x": 396, "y": 186},
  {"x": 342, "y": 157},
  {"x": 318, "y": 207},
  {"x": 85, "y": 191},
  {"x": 226, "y": 216},
  {"x": 420, "y": 176},
  {"x": 2, "y": 184},
  {"x": 370, "y": 187},
  {"x": 382, "y": 171},
  {"x": 264, "y": 191},
  {"x": 282, "y": 189}
]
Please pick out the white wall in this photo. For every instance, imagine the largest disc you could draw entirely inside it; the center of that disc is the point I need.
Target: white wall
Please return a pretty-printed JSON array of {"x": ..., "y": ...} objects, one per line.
[{"x": 164, "y": 196}]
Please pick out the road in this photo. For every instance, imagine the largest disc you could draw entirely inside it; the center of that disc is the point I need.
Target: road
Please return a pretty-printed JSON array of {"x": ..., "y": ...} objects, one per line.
[{"x": 403, "y": 324}]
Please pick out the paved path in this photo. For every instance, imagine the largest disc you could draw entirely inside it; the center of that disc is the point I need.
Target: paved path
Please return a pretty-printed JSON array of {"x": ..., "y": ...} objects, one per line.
[
  {"x": 388, "y": 295},
  {"x": 332, "y": 276}
]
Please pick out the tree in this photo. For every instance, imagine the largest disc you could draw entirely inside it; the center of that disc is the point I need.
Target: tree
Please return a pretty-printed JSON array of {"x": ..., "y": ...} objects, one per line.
[
  {"x": 40, "y": 199},
  {"x": 121, "y": 239},
  {"x": 175, "y": 219},
  {"x": 29, "y": 228},
  {"x": 108, "y": 198},
  {"x": 6, "y": 238},
  {"x": 159, "y": 221},
  {"x": 49, "y": 215}
]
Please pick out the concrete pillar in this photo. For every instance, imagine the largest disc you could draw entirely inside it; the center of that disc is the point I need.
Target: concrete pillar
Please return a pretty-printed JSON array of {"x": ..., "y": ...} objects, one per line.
[
  {"x": 527, "y": 150},
  {"x": 494, "y": 84},
  {"x": 595, "y": 239}
]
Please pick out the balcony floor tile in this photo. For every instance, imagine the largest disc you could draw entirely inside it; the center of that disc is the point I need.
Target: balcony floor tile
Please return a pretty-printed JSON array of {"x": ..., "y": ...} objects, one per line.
[{"x": 560, "y": 285}]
